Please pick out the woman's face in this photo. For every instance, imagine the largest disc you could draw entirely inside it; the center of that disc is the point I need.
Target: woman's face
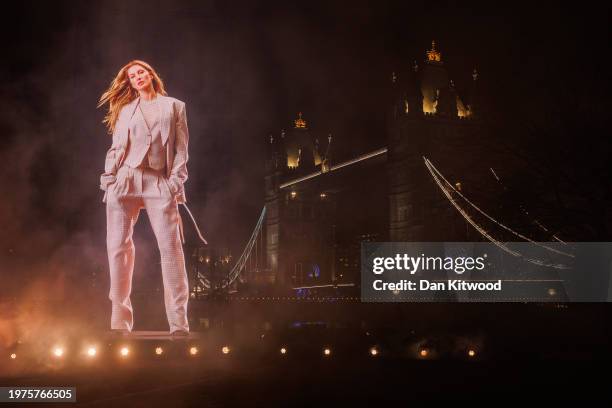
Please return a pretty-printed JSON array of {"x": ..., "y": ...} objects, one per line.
[{"x": 140, "y": 78}]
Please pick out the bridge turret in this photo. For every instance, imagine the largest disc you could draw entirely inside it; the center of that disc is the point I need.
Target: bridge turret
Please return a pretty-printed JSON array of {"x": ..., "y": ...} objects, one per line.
[
  {"x": 414, "y": 95},
  {"x": 300, "y": 146},
  {"x": 474, "y": 97},
  {"x": 276, "y": 154}
]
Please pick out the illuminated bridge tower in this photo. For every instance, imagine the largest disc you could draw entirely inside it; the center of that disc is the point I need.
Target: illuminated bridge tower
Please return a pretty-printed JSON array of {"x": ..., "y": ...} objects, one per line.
[
  {"x": 430, "y": 117},
  {"x": 298, "y": 237}
]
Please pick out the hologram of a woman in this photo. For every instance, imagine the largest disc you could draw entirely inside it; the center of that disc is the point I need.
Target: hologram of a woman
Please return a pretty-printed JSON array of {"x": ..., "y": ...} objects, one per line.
[{"x": 145, "y": 167}]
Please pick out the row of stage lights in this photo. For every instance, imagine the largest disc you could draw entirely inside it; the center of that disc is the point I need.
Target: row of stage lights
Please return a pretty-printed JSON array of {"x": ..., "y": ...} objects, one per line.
[{"x": 124, "y": 352}]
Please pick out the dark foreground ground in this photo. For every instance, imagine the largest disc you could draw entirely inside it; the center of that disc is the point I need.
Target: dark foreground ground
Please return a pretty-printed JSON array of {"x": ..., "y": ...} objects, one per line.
[
  {"x": 522, "y": 354},
  {"x": 317, "y": 381}
]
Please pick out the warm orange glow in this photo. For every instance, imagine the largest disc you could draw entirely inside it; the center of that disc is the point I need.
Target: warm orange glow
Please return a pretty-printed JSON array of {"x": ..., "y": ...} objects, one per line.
[
  {"x": 374, "y": 351},
  {"x": 325, "y": 166},
  {"x": 292, "y": 162},
  {"x": 462, "y": 111},
  {"x": 299, "y": 122},
  {"x": 433, "y": 54},
  {"x": 471, "y": 353},
  {"x": 124, "y": 351},
  {"x": 193, "y": 351},
  {"x": 159, "y": 351},
  {"x": 13, "y": 356},
  {"x": 58, "y": 351},
  {"x": 91, "y": 351},
  {"x": 225, "y": 350},
  {"x": 283, "y": 350},
  {"x": 327, "y": 351},
  {"x": 424, "y": 352},
  {"x": 430, "y": 106},
  {"x": 293, "y": 194}
]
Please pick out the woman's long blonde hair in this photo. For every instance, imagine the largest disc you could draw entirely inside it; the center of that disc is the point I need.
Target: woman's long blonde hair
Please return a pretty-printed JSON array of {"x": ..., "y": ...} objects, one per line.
[{"x": 120, "y": 92}]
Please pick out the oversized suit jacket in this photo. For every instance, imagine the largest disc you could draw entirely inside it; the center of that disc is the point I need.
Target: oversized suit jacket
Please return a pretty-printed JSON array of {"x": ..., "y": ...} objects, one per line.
[{"x": 174, "y": 134}]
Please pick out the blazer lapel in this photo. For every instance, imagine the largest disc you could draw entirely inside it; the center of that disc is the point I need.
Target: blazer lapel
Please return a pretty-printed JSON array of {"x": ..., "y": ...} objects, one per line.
[
  {"x": 132, "y": 107},
  {"x": 124, "y": 120},
  {"x": 166, "y": 118}
]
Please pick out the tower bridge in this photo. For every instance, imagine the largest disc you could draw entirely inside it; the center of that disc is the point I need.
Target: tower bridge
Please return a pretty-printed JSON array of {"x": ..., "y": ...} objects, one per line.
[{"x": 320, "y": 208}]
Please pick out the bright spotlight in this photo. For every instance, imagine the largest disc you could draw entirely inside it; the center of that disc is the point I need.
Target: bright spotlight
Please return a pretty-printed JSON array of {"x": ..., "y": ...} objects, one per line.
[
  {"x": 159, "y": 351},
  {"x": 13, "y": 356},
  {"x": 283, "y": 350},
  {"x": 471, "y": 353},
  {"x": 58, "y": 352},
  {"x": 225, "y": 350},
  {"x": 327, "y": 351},
  {"x": 193, "y": 351},
  {"x": 91, "y": 352},
  {"x": 124, "y": 351},
  {"x": 374, "y": 351},
  {"x": 424, "y": 352}
]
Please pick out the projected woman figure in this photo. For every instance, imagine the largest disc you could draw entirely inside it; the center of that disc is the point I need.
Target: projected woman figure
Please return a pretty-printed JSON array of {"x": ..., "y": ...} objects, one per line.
[{"x": 146, "y": 167}]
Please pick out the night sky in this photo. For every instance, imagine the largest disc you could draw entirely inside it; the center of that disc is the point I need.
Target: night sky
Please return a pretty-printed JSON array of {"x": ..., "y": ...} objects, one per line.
[{"x": 245, "y": 70}]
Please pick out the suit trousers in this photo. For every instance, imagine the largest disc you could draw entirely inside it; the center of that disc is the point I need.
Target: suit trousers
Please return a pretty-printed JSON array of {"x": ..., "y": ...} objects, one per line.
[{"x": 134, "y": 189}]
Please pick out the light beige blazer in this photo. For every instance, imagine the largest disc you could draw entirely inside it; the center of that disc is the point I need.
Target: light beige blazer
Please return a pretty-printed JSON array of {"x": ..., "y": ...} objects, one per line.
[{"x": 174, "y": 133}]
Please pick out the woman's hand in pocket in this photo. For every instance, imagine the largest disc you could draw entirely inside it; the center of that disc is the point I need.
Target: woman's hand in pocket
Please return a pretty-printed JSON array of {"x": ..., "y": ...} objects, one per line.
[
  {"x": 175, "y": 186},
  {"x": 120, "y": 186}
]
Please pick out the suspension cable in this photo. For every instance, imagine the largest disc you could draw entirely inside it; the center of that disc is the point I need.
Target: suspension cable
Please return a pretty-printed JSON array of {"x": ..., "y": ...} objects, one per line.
[
  {"x": 432, "y": 167},
  {"x": 481, "y": 230}
]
